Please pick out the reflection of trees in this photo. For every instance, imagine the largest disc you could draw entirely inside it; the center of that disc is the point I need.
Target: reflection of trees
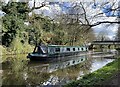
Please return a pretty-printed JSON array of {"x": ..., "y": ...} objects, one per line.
[
  {"x": 85, "y": 67},
  {"x": 14, "y": 75},
  {"x": 19, "y": 73},
  {"x": 37, "y": 77}
]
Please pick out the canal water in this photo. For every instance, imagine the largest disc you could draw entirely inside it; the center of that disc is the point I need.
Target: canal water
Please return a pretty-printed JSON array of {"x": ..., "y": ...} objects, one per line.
[{"x": 18, "y": 70}]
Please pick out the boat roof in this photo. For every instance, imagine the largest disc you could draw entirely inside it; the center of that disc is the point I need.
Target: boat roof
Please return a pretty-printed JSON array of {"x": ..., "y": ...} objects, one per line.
[
  {"x": 56, "y": 45},
  {"x": 63, "y": 46}
]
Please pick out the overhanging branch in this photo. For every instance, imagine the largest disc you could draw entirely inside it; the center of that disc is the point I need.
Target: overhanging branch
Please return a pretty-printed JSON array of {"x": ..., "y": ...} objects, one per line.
[
  {"x": 34, "y": 7},
  {"x": 103, "y": 22},
  {"x": 37, "y": 7}
]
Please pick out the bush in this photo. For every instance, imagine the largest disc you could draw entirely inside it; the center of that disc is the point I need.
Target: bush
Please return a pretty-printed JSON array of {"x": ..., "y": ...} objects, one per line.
[{"x": 16, "y": 46}]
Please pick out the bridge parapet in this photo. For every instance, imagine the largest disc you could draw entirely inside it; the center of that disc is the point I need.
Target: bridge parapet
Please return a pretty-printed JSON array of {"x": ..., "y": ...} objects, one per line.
[
  {"x": 105, "y": 43},
  {"x": 102, "y": 44}
]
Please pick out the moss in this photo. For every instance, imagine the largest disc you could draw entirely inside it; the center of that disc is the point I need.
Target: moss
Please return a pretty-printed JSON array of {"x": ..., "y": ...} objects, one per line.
[{"x": 97, "y": 77}]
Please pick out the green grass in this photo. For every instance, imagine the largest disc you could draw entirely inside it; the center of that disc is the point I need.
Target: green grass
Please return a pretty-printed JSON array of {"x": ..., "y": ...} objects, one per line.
[{"x": 97, "y": 77}]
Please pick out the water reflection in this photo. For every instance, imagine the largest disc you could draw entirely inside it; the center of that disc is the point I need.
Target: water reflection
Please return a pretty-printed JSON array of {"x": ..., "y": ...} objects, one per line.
[
  {"x": 99, "y": 63},
  {"x": 53, "y": 66},
  {"x": 19, "y": 71}
]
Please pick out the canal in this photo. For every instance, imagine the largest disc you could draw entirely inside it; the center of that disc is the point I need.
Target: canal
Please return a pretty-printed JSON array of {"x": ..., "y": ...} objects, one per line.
[{"x": 18, "y": 70}]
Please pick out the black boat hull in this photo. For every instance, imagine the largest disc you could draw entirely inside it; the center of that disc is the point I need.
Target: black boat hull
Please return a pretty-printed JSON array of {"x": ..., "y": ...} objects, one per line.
[{"x": 52, "y": 56}]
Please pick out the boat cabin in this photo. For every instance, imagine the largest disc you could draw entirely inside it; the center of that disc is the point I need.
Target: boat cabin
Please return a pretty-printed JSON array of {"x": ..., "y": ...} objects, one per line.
[
  {"x": 52, "y": 49},
  {"x": 62, "y": 49}
]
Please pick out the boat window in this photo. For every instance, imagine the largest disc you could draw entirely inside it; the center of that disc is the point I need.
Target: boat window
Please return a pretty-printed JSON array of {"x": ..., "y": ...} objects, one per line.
[
  {"x": 78, "y": 49},
  {"x": 81, "y": 59},
  {"x": 68, "y": 49},
  {"x": 82, "y": 48},
  {"x": 68, "y": 63},
  {"x": 44, "y": 49},
  {"x": 73, "y": 61},
  {"x": 73, "y": 49},
  {"x": 57, "y": 49},
  {"x": 51, "y": 50}
]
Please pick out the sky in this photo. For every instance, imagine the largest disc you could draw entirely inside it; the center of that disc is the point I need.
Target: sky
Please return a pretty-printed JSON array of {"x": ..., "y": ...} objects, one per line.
[
  {"x": 58, "y": 6},
  {"x": 111, "y": 30}
]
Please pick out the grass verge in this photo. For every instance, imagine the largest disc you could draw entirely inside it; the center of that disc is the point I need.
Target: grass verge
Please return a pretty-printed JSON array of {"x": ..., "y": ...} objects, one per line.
[{"x": 97, "y": 77}]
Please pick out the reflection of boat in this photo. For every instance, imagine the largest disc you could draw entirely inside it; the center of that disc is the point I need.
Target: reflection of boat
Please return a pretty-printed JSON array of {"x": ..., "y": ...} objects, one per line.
[
  {"x": 57, "y": 65},
  {"x": 55, "y": 51}
]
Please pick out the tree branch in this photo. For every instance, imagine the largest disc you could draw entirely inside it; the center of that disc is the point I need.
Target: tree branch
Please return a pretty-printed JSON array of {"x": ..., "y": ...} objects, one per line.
[
  {"x": 34, "y": 7},
  {"x": 84, "y": 13},
  {"x": 98, "y": 23}
]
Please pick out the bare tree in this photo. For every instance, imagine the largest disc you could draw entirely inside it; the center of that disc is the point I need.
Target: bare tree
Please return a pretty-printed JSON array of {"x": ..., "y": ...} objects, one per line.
[
  {"x": 118, "y": 34},
  {"x": 102, "y": 35}
]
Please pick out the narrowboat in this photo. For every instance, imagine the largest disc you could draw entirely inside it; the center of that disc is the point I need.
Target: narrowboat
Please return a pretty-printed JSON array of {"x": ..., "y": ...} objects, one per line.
[{"x": 43, "y": 52}]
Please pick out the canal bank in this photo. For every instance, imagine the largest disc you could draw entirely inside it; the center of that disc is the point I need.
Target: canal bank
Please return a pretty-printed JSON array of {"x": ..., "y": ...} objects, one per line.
[{"x": 106, "y": 76}]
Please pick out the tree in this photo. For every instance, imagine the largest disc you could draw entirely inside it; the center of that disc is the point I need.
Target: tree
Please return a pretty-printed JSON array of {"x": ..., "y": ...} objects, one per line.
[
  {"x": 80, "y": 12},
  {"x": 41, "y": 28},
  {"x": 102, "y": 36},
  {"x": 100, "y": 10},
  {"x": 74, "y": 27},
  {"x": 16, "y": 13},
  {"x": 13, "y": 21},
  {"x": 118, "y": 34}
]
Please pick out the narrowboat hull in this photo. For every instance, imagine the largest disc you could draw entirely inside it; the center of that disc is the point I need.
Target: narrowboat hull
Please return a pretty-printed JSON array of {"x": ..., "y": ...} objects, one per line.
[{"x": 51, "y": 56}]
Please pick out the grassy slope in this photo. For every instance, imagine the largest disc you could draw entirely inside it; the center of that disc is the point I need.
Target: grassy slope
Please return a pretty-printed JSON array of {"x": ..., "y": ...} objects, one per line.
[{"x": 97, "y": 77}]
